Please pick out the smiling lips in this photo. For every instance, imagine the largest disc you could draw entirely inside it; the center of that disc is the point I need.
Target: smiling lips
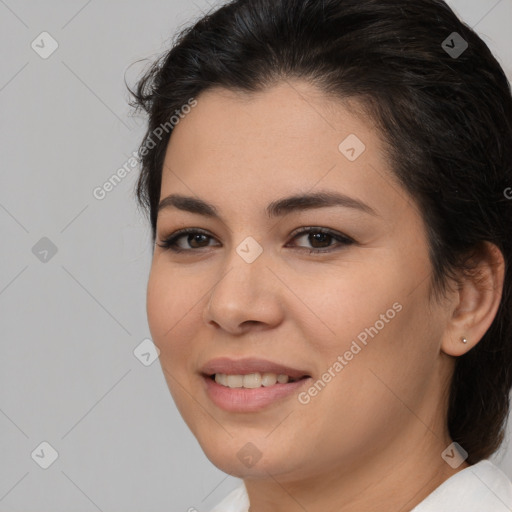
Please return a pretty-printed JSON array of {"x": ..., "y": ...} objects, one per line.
[{"x": 249, "y": 384}]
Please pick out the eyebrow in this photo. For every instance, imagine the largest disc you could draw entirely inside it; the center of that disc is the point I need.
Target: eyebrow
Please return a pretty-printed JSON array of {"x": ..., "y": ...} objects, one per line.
[{"x": 276, "y": 208}]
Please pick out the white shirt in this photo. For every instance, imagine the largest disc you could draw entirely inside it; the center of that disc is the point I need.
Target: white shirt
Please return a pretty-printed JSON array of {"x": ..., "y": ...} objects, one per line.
[{"x": 482, "y": 487}]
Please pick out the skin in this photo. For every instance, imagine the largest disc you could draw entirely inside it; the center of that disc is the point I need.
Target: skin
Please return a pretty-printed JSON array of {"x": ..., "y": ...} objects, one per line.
[{"x": 372, "y": 438}]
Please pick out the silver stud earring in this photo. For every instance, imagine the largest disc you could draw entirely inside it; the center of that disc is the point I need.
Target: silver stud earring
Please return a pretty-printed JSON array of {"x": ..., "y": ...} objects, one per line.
[{"x": 464, "y": 340}]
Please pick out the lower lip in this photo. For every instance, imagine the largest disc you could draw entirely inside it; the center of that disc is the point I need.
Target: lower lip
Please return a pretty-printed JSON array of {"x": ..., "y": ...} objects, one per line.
[{"x": 250, "y": 400}]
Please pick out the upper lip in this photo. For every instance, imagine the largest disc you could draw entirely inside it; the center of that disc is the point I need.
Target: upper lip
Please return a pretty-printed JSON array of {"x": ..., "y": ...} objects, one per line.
[{"x": 250, "y": 365}]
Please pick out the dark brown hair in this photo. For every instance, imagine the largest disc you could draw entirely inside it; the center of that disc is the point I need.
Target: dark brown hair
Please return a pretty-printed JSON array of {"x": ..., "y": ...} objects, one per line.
[{"x": 446, "y": 118}]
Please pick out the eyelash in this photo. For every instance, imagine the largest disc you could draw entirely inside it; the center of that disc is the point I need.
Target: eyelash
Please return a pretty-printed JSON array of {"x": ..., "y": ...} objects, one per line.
[{"x": 169, "y": 243}]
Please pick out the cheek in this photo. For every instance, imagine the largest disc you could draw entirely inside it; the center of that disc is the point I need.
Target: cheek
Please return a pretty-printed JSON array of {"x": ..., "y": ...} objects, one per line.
[
  {"x": 160, "y": 309},
  {"x": 170, "y": 304},
  {"x": 172, "y": 319},
  {"x": 345, "y": 304},
  {"x": 385, "y": 363},
  {"x": 370, "y": 318}
]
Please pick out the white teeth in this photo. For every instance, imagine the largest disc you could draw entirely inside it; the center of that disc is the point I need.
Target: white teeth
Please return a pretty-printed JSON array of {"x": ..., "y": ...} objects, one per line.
[
  {"x": 220, "y": 378},
  {"x": 251, "y": 380},
  {"x": 268, "y": 379},
  {"x": 235, "y": 381}
]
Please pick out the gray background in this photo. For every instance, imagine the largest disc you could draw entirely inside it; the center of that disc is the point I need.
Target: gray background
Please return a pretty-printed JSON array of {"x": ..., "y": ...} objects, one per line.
[{"x": 68, "y": 374}]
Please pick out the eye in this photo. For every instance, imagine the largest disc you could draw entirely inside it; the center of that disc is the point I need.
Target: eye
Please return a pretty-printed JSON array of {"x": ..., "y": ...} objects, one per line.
[
  {"x": 195, "y": 238},
  {"x": 320, "y": 238}
]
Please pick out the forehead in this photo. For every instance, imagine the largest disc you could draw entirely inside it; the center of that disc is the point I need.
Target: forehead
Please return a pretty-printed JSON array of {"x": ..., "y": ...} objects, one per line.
[
  {"x": 288, "y": 138},
  {"x": 285, "y": 116}
]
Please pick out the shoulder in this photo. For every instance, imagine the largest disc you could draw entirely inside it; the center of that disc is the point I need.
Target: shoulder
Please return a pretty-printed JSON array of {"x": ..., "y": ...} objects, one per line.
[
  {"x": 482, "y": 486},
  {"x": 236, "y": 501}
]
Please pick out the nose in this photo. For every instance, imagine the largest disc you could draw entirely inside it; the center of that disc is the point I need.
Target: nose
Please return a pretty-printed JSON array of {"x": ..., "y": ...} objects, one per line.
[{"x": 246, "y": 296}]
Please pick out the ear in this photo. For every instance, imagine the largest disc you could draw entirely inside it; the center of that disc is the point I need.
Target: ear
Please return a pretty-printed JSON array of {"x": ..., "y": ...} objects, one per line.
[{"x": 476, "y": 301}]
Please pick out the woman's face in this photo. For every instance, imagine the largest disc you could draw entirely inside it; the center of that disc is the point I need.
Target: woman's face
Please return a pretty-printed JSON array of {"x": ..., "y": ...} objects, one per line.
[{"x": 353, "y": 316}]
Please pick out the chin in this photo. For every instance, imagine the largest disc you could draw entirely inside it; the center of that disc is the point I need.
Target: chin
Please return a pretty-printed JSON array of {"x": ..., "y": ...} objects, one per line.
[{"x": 243, "y": 459}]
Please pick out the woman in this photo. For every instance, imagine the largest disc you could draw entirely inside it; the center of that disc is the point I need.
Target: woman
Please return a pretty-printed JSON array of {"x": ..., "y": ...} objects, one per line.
[{"x": 330, "y": 289}]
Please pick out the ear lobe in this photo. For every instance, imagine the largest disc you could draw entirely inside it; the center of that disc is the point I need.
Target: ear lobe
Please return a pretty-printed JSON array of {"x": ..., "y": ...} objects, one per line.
[{"x": 479, "y": 295}]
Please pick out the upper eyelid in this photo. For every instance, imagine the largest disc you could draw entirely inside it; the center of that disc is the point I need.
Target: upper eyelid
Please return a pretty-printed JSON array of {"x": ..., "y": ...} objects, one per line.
[
  {"x": 187, "y": 230},
  {"x": 302, "y": 231},
  {"x": 328, "y": 231},
  {"x": 299, "y": 231}
]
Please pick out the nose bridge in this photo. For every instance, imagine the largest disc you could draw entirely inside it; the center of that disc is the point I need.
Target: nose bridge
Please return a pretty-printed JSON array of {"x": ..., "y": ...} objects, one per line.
[
  {"x": 245, "y": 269},
  {"x": 245, "y": 291},
  {"x": 249, "y": 250}
]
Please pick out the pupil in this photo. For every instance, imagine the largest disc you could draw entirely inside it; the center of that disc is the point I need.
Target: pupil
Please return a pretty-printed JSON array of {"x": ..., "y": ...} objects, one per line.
[
  {"x": 194, "y": 238},
  {"x": 319, "y": 237}
]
